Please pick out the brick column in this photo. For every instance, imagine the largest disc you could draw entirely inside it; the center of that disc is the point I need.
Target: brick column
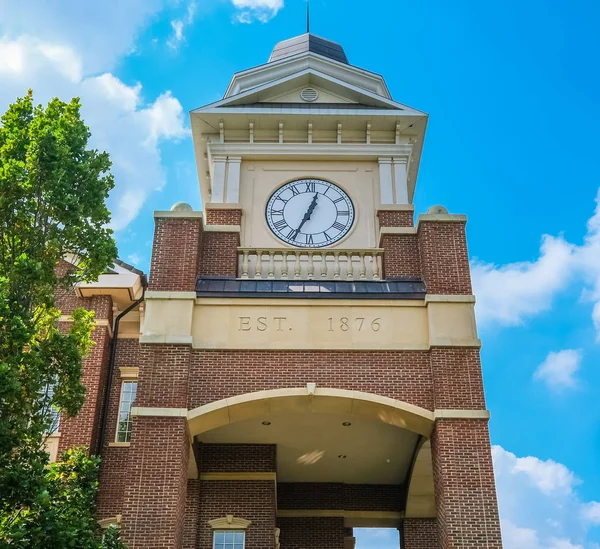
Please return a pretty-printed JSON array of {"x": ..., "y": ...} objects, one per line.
[
  {"x": 176, "y": 251},
  {"x": 443, "y": 252},
  {"x": 465, "y": 491},
  {"x": 419, "y": 534},
  {"x": 82, "y": 429},
  {"x": 398, "y": 238},
  {"x": 155, "y": 497},
  {"x": 220, "y": 243}
]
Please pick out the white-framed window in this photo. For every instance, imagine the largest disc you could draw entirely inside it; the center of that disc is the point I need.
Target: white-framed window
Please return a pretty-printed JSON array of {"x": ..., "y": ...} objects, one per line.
[
  {"x": 53, "y": 411},
  {"x": 229, "y": 539},
  {"x": 128, "y": 393}
]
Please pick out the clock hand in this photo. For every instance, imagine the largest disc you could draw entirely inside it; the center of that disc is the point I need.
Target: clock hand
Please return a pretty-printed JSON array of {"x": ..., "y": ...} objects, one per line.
[{"x": 307, "y": 215}]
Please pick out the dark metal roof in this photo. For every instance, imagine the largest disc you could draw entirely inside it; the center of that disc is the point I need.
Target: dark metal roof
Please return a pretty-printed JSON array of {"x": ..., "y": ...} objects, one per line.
[
  {"x": 308, "y": 106},
  {"x": 308, "y": 42},
  {"x": 388, "y": 289}
]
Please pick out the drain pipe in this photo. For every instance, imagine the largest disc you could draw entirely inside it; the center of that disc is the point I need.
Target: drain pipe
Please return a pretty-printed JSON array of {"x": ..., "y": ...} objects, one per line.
[{"x": 111, "y": 368}]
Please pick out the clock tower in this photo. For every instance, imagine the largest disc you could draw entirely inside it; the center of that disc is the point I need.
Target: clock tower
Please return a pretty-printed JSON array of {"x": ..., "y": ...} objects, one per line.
[{"x": 308, "y": 359}]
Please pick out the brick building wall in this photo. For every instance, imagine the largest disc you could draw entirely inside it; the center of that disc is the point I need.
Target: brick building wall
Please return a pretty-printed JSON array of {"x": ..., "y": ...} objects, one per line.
[
  {"x": 419, "y": 534},
  {"x": 113, "y": 468},
  {"x": 331, "y": 495},
  {"x": 396, "y": 218},
  {"x": 312, "y": 533}
]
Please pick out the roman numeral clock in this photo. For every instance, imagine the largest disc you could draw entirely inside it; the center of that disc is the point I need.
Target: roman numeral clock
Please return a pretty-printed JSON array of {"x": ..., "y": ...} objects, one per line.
[{"x": 310, "y": 213}]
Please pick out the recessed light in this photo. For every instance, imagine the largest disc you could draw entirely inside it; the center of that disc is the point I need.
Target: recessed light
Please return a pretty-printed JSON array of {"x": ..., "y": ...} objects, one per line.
[
  {"x": 342, "y": 456},
  {"x": 346, "y": 424},
  {"x": 266, "y": 423}
]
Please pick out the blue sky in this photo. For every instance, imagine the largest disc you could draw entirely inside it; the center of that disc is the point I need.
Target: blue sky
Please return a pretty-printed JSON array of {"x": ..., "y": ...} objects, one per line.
[{"x": 513, "y": 92}]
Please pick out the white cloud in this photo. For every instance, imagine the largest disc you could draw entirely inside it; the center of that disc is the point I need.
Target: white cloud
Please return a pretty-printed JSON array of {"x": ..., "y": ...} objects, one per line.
[
  {"x": 539, "y": 504},
  {"x": 511, "y": 293},
  {"x": 558, "y": 369},
  {"x": 591, "y": 512},
  {"x": 178, "y": 26},
  {"x": 121, "y": 121},
  {"x": 257, "y": 10},
  {"x": 508, "y": 295}
]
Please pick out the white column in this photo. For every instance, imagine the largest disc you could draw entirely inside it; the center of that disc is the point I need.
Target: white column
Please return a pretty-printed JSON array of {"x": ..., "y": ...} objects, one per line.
[
  {"x": 233, "y": 179},
  {"x": 385, "y": 181},
  {"x": 400, "y": 180},
  {"x": 218, "y": 181}
]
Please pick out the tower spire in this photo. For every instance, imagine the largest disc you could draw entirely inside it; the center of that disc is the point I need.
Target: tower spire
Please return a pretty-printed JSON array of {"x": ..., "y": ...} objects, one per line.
[{"x": 307, "y": 16}]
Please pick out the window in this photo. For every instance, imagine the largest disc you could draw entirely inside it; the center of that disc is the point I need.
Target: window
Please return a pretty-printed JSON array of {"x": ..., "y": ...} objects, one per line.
[
  {"x": 228, "y": 539},
  {"x": 53, "y": 412},
  {"x": 128, "y": 392}
]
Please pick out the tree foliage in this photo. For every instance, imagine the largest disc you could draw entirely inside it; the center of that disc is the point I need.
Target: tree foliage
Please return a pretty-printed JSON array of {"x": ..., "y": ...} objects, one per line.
[{"x": 52, "y": 205}]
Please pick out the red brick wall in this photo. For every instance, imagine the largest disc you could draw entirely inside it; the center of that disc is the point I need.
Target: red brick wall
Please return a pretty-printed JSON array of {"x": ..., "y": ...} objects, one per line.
[
  {"x": 192, "y": 511},
  {"x": 223, "y": 217},
  {"x": 311, "y": 533},
  {"x": 237, "y": 458},
  {"x": 465, "y": 490},
  {"x": 251, "y": 500},
  {"x": 350, "y": 497},
  {"x": 175, "y": 253},
  {"x": 81, "y": 430},
  {"x": 394, "y": 218},
  {"x": 444, "y": 257},
  {"x": 401, "y": 256},
  {"x": 219, "y": 254},
  {"x": 404, "y": 375},
  {"x": 419, "y": 534},
  {"x": 113, "y": 469},
  {"x": 156, "y": 494},
  {"x": 457, "y": 378}
]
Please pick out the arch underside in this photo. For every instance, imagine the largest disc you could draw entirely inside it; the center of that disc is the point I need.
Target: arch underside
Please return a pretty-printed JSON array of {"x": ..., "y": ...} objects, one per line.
[{"x": 383, "y": 441}]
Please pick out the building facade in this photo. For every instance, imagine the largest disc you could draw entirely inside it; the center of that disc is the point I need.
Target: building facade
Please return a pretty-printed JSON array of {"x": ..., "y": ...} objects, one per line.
[{"x": 305, "y": 359}]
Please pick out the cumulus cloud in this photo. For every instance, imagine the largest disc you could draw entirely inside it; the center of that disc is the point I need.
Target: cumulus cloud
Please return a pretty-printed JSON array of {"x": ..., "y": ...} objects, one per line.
[
  {"x": 508, "y": 295},
  {"x": 121, "y": 121},
  {"x": 559, "y": 368},
  {"x": 539, "y": 504},
  {"x": 257, "y": 10},
  {"x": 179, "y": 25}
]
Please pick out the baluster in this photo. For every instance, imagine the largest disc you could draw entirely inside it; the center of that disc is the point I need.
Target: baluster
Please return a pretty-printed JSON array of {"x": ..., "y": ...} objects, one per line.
[
  {"x": 311, "y": 265},
  {"x": 284, "y": 266},
  {"x": 324, "y": 268},
  {"x": 336, "y": 265},
  {"x": 271, "y": 274},
  {"x": 376, "y": 269},
  {"x": 245, "y": 264},
  {"x": 363, "y": 268},
  {"x": 349, "y": 267},
  {"x": 297, "y": 267},
  {"x": 258, "y": 266}
]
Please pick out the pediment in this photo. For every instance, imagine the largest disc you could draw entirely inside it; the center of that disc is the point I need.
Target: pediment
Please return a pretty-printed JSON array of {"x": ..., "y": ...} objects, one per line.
[{"x": 285, "y": 91}]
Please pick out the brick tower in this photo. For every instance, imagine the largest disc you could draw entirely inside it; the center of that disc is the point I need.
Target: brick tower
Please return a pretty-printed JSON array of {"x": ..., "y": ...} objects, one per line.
[{"x": 306, "y": 359}]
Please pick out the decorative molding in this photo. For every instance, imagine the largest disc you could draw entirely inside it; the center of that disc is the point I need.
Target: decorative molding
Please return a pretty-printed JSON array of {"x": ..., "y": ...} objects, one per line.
[
  {"x": 330, "y": 150},
  {"x": 119, "y": 444},
  {"x": 452, "y": 298},
  {"x": 395, "y": 208},
  {"x": 223, "y": 206},
  {"x": 105, "y": 523},
  {"x": 158, "y": 412},
  {"x": 239, "y": 476},
  {"x": 222, "y": 229},
  {"x": 441, "y": 218},
  {"x": 129, "y": 372},
  {"x": 179, "y": 214},
  {"x": 462, "y": 414},
  {"x": 229, "y": 522},
  {"x": 166, "y": 340},
  {"x": 170, "y": 295}
]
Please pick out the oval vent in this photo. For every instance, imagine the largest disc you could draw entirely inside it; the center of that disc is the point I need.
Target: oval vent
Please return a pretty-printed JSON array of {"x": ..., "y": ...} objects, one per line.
[{"x": 309, "y": 94}]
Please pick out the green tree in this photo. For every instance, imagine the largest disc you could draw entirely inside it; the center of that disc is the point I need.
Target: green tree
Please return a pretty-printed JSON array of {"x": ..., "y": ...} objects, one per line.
[
  {"x": 53, "y": 191},
  {"x": 112, "y": 539}
]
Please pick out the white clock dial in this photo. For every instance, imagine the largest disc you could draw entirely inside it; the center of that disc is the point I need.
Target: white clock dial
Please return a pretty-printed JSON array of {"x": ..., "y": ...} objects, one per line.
[{"x": 310, "y": 213}]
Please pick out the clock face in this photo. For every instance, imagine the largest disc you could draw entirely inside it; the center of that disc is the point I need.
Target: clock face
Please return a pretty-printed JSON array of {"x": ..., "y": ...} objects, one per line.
[{"x": 310, "y": 213}]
